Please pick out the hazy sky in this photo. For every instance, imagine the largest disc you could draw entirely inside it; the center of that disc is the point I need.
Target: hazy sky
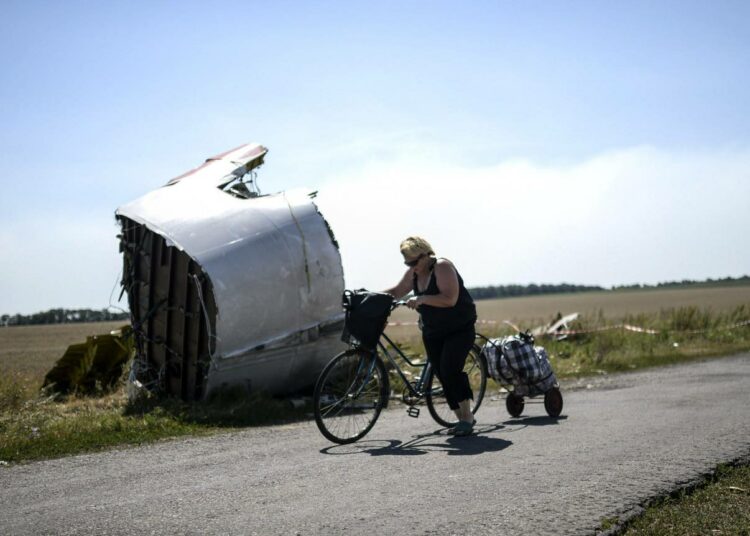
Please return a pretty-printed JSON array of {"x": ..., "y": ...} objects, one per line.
[{"x": 584, "y": 142}]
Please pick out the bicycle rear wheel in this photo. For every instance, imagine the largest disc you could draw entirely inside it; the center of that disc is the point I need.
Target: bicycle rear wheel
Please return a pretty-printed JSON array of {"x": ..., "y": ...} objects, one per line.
[
  {"x": 476, "y": 369},
  {"x": 349, "y": 395}
]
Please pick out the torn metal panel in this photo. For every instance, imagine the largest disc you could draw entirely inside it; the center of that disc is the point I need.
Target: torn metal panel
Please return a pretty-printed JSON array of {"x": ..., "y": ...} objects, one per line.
[
  {"x": 229, "y": 286},
  {"x": 557, "y": 328},
  {"x": 92, "y": 367}
]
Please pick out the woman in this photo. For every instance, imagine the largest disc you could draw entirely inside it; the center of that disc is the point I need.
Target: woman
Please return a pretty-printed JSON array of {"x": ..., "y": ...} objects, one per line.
[{"x": 447, "y": 316}]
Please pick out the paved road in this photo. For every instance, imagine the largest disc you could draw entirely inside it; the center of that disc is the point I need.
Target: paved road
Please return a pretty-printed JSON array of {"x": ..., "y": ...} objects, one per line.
[{"x": 628, "y": 438}]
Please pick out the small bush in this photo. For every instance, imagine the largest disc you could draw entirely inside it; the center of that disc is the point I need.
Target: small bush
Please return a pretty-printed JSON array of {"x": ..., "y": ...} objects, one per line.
[
  {"x": 681, "y": 333},
  {"x": 14, "y": 391}
]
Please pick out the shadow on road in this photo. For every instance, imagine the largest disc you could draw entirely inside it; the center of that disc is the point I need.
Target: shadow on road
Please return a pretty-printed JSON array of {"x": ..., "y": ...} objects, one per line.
[
  {"x": 437, "y": 441},
  {"x": 536, "y": 421}
]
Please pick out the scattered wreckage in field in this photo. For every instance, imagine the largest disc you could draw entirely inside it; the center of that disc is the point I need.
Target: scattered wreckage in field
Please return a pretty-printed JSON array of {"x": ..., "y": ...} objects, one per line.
[
  {"x": 558, "y": 329},
  {"x": 229, "y": 286},
  {"x": 91, "y": 367}
]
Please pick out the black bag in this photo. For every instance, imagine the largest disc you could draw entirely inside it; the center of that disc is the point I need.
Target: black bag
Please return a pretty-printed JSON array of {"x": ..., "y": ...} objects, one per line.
[{"x": 366, "y": 316}]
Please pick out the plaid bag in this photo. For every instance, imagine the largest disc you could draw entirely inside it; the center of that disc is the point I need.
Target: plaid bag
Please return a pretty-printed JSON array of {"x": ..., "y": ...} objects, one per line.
[
  {"x": 546, "y": 376},
  {"x": 497, "y": 364},
  {"x": 515, "y": 360}
]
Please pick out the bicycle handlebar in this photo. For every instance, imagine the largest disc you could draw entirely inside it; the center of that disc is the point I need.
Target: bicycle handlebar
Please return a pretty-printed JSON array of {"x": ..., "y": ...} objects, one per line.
[{"x": 397, "y": 303}]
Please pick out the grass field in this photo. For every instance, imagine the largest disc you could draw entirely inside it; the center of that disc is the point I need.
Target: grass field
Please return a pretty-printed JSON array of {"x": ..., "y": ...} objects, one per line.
[
  {"x": 530, "y": 311},
  {"x": 27, "y": 353},
  {"x": 672, "y": 312},
  {"x": 33, "y": 426},
  {"x": 720, "y": 506},
  {"x": 32, "y": 350}
]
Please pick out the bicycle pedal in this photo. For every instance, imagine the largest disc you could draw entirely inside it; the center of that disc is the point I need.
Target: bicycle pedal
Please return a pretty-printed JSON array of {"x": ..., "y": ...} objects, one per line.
[{"x": 413, "y": 412}]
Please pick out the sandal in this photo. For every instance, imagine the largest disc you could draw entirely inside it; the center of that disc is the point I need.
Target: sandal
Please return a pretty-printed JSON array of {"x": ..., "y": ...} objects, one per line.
[
  {"x": 463, "y": 429},
  {"x": 452, "y": 431}
]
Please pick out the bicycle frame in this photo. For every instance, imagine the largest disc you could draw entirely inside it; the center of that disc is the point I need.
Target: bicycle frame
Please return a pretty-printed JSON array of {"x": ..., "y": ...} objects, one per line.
[
  {"x": 371, "y": 367},
  {"x": 484, "y": 339},
  {"x": 417, "y": 389},
  {"x": 355, "y": 417}
]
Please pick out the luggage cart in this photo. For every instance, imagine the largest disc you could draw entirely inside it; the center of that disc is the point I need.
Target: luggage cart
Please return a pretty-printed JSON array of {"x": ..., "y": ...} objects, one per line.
[{"x": 524, "y": 371}]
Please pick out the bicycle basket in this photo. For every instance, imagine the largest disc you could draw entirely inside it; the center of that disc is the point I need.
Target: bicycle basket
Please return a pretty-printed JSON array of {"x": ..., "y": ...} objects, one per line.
[{"x": 366, "y": 316}]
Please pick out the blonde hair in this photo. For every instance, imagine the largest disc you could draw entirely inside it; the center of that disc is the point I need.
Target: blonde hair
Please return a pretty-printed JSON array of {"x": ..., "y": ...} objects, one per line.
[{"x": 416, "y": 245}]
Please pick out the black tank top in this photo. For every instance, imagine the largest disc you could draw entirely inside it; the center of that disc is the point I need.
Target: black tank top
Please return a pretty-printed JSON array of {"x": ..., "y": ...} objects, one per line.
[{"x": 441, "y": 320}]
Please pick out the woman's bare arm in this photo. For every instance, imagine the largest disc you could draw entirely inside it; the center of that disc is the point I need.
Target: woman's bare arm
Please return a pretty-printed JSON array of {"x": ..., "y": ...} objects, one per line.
[
  {"x": 447, "y": 283},
  {"x": 402, "y": 288}
]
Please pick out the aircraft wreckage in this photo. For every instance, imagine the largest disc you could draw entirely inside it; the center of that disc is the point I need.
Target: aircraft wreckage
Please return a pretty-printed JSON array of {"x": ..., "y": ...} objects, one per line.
[{"x": 228, "y": 286}]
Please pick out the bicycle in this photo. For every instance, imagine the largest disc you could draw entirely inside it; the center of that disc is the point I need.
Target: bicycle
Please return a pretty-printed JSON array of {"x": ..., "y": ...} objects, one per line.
[{"x": 354, "y": 387}]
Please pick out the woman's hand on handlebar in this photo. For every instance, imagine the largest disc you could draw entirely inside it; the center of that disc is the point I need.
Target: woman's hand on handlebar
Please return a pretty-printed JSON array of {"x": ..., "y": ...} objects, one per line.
[{"x": 413, "y": 302}]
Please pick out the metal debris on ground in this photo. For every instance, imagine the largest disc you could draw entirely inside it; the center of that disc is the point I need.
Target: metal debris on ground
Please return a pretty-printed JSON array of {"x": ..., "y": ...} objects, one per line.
[
  {"x": 92, "y": 367},
  {"x": 558, "y": 329}
]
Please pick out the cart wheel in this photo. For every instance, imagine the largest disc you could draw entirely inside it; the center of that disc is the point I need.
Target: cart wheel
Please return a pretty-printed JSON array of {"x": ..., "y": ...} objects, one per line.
[
  {"x": 514, "y": 404},
  {"x": 553, "y": 402}
]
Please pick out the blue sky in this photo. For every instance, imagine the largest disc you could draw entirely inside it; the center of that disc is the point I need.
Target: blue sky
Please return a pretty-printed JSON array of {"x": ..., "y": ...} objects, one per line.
[{"x": 588, "y": 142}]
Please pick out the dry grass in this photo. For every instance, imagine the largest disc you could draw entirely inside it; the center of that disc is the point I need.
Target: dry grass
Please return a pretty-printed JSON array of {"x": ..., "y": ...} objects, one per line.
[
  {"x": 27, "y": 353},
  {"x": 721, "y": 506},
  {"x": 30, "y": 351},
  {"x": 33, "y": 427},
  {"x": 531, "y": 311},
  {"x": 671, "y": 312}
]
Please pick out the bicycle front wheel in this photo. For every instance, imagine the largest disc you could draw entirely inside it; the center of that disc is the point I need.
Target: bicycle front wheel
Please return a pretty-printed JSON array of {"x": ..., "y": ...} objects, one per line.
[
  {"x": 349, "y": 395},
  {"x": 476, "y": 369}
]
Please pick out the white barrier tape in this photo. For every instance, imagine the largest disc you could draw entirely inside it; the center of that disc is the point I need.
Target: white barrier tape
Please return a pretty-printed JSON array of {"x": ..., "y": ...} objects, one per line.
[
  {"x": 638, "y": 329},
  {"x": 626, "y": 327},
  {"x": 731, "y": 326},
  {"x": 417, "y": 323}
]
